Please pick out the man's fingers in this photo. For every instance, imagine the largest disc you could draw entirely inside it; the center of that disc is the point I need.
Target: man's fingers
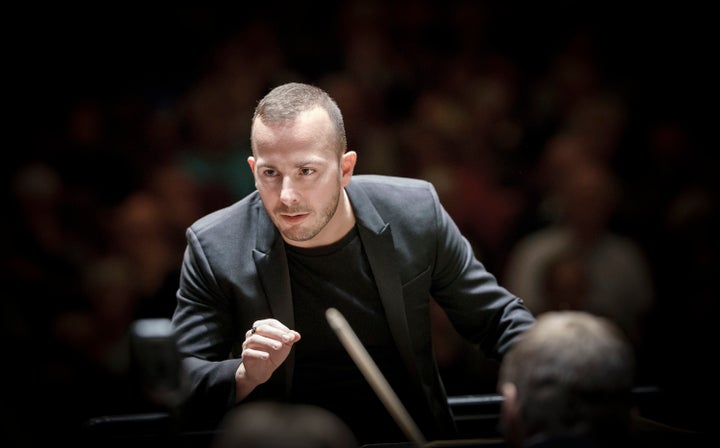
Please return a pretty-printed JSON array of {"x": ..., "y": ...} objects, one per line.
[
  {"x": 251, "y": 353},
  {"x": 291, "y": 337},
  {"x": 272, "y": 328}
]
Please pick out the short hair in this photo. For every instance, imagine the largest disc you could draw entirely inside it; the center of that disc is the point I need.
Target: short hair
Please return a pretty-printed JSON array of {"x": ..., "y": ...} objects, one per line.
[
  {"x": 285, "y": 102},
  {"x": 574, "y": 373}
]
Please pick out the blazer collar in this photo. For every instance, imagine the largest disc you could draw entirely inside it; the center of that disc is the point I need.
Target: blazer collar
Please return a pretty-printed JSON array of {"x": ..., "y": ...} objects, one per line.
[{"x": 365, "y": 213}]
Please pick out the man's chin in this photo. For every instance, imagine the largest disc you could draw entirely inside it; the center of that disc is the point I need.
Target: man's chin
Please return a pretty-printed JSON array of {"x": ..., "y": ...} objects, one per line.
[{"x": 296, "y": 236}]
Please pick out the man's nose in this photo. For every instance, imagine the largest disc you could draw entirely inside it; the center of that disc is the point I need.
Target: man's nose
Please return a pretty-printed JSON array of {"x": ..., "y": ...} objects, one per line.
[{"x": 288, "y": 192}]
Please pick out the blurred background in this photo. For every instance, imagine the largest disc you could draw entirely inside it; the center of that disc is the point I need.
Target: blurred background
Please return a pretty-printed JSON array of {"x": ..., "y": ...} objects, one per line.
[{"x": 569, "y": 140}]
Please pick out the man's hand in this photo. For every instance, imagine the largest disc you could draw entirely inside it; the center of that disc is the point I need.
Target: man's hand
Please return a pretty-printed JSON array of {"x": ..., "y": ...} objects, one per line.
[{"x": 267, "y": 345}]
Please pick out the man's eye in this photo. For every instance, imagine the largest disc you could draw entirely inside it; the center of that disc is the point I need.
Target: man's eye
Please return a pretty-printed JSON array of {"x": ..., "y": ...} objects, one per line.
[
  {"x": 307, "y": 171},
  {"x": 270, "y": 173}
]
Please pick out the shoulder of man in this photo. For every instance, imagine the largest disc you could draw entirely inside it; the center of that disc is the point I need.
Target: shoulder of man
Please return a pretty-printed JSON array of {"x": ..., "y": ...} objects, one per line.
[
  {"x": 393, "y": 199},
  {"x": 382, "y": 185}
]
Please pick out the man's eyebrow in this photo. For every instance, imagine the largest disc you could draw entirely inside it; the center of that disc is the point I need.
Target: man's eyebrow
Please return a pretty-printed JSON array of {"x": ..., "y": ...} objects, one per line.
[
  {"x": 309, "y": 162},
  {"x": 299, "y": 164},
  {"x": 261, "y": 164}
]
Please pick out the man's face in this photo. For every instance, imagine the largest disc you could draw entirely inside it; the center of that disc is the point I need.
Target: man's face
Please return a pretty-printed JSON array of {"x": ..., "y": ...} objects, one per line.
[{"x": 300, "y": 176}]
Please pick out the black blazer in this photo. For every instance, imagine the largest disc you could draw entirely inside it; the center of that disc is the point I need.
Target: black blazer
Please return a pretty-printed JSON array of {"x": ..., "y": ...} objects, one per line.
[{"x": 235, "y": 272}]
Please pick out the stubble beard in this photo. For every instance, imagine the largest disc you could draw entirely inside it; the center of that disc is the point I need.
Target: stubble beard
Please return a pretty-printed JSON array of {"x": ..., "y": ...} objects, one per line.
[{"x": 299, "y": 233}]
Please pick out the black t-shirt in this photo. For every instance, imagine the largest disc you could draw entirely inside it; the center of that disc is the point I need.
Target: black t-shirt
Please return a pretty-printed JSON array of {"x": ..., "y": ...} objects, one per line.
[{"x": 340, "y": 276}]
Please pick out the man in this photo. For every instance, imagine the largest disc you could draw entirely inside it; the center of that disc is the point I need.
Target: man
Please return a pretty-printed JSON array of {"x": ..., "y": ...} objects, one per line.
[
  {"x": 568, "y": 382},
  {"x": 258, "y": 276}
]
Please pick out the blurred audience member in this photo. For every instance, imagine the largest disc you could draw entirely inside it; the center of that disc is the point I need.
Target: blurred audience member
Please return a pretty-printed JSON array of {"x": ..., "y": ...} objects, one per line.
[
  {"x": 607, "y": 273},
  {"x": 179, "y": 198},
  {"x": 565, "y": 281},
  {"x": 568, "y": 382},
  {"x": 266, "y": 424}
]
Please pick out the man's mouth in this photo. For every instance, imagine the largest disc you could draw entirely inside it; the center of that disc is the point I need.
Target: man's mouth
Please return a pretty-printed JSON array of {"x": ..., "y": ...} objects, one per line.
[{"x": 293, "y": 218}]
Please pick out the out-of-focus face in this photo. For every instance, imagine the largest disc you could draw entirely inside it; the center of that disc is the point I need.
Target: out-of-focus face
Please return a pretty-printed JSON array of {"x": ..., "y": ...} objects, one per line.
[{"x": 301, "y": 176}]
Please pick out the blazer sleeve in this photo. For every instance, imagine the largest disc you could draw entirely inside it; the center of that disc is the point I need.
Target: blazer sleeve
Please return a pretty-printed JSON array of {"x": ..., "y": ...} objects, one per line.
[
  {"x": 480, "y": 308},
  {"x": 202, "y": 326}
]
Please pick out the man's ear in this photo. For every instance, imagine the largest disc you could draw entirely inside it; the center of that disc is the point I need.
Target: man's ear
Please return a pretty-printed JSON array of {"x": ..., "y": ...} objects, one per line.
[
  {"x": 347, "y": 165},
  {"x": 510, "y": 412},
  {"x": 251, "y": 162},
  {"x": 510, "y": 418},
  {"x": 509, "y": 393}
]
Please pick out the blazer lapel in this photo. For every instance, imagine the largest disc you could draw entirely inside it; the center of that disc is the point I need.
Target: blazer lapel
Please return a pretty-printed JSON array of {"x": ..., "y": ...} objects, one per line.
[
  {"x": 272, "y": 268},
  {"x": 376, "y": 237}
]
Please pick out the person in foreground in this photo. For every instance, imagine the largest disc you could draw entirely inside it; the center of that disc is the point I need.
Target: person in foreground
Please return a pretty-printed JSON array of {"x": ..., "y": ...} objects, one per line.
[
  {"x": 568, "y": 382},
  {"x": 258, "y": 276},
  {"x": 257, "y": 424}
]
